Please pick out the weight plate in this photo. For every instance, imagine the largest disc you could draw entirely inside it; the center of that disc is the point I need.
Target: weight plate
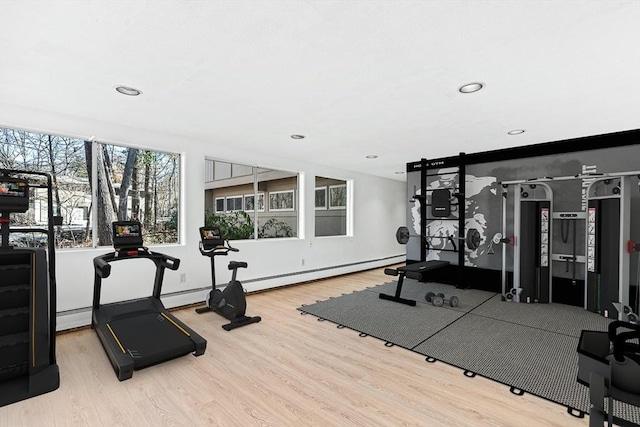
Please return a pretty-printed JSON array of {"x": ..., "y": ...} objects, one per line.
[
  {"x": 453, "y": 302},
  {"x": 429, "y": 296},
  {"x": 402, "y": 235},
  {"x": 473, "y": 239},
  {"x": 441, "y": 295},
  {"x": 438, "y": 301}
]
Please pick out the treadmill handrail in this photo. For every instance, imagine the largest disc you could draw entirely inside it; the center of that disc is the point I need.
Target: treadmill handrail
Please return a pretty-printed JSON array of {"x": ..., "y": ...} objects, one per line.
[{"x": 102, "y": 270}]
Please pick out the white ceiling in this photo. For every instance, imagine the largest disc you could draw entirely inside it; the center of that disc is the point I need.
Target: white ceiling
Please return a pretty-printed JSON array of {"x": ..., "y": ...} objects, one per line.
[{"x": 355, "y": 77}]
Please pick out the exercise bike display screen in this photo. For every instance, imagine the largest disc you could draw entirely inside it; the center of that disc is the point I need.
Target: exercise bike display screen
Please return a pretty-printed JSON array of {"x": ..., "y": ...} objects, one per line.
[
  {"x": 14, "y": 195},
  {"x": 127, "y": 234},
  {"x": 211, "y": 237}
]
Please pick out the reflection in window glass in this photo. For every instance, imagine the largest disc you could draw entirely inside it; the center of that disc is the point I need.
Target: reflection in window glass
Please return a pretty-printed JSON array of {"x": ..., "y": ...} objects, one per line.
[
  {"x": 234, "y": 204},
  {"x": 338, "y": 196},
  {"x": 331, "y": 207},
  {"x": 220, "y": 205},
  {"x": 321, "y": 198},
  {"x": 275, "y": 214},
  {"x": 281, "y": 200},
  {"x": 249, "y": 205}
]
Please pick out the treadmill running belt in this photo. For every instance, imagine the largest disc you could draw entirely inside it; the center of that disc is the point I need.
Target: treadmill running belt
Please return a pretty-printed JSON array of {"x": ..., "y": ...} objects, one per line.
[{"x": 151, "y": 338}]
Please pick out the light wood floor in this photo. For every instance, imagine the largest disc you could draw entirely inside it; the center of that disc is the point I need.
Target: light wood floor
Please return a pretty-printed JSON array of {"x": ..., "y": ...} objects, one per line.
[{"x": 288, "y": 370}]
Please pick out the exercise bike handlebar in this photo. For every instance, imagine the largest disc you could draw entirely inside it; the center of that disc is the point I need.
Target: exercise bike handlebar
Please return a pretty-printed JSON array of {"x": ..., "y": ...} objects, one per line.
[{"x": 218, "y": 250}]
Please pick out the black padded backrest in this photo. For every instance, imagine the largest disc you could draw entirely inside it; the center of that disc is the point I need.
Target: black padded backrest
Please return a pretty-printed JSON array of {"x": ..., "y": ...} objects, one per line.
[{"x": 441, "y": 203}]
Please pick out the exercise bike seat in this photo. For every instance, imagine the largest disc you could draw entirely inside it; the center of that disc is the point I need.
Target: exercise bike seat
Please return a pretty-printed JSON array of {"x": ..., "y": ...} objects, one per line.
[{"x": 233, "y": 265}]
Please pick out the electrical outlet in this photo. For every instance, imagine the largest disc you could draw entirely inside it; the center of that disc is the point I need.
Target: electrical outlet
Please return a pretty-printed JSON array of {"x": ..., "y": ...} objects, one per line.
[{"x": 183, "y": 277}]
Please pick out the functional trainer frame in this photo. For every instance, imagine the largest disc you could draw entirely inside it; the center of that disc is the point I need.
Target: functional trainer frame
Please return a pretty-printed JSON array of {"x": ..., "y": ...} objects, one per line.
[{"x": 621, "y": 194}]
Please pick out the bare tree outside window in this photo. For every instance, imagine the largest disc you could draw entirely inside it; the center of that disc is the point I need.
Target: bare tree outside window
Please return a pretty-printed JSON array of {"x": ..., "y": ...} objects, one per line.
[{"x": 131, "y": 184}]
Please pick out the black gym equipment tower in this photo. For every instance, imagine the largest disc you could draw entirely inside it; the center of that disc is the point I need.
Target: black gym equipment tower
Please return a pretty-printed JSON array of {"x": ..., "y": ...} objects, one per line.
[
  {"x": 533, "y": 211},
  {"x": 439, "y": 200},
  {"x": 139, "y": 333},
  {"x": 440, "y": 203},
  {"x": 608, "y": 231},
  {"x": 27, "y": 295}
]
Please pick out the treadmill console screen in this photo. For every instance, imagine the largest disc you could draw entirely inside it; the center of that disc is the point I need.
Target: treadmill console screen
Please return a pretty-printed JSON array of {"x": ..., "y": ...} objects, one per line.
[
  {"x": 211, "y": 237},
  {"x": 14, "y": 195},
  {"x": 127, "y": 234}
]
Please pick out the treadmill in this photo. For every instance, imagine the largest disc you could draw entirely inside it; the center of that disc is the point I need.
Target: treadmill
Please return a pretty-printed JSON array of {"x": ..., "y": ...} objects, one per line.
[{"x": 139, "y": 333}]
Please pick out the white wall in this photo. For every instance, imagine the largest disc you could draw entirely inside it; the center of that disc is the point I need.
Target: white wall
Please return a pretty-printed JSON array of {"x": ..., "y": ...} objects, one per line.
[{"x": 378, "y": 207}]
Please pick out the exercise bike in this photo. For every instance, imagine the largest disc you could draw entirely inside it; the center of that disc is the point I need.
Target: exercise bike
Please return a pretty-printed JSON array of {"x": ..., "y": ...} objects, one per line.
[{"x": 230, "y": 302}]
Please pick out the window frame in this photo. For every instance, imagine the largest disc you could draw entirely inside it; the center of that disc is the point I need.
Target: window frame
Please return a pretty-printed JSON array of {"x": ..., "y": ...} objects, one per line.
[
  {"x": 234, "y": 198},
  {"x": 244, "y": 201},
  {"x": 224, "y": 205},
  {"x": 293, "y": 201},
  {"x": 315, "y": 198},
  {"x": 346, "y": 197},
  {"x": 84, "y": 216}
]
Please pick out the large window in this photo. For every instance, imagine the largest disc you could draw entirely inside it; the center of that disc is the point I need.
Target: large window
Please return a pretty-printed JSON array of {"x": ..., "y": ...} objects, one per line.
[
  {"x": 275, "y": 214},
  {"x": 130, "y": 184},
  {"x": 139, "y": 185},
  {"x": 331, "y": 207}
]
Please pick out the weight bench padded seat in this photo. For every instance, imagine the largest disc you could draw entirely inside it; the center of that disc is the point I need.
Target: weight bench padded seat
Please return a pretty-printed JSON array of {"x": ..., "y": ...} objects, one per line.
[{"x": 417, "y": 267}]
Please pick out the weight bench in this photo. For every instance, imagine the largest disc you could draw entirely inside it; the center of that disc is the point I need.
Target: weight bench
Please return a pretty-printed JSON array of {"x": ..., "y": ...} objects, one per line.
[{"x": 417, "y": 267}]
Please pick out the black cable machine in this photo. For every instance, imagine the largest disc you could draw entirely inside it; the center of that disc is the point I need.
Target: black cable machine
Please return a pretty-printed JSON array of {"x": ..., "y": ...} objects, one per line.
[
  {"x": 606, "y": 258},
  {"x": 533, "y": 210},
  {"x": 139, "y": 333},
  {"x": 608, "y": 231},
  {"x": 27, "y": 295}
]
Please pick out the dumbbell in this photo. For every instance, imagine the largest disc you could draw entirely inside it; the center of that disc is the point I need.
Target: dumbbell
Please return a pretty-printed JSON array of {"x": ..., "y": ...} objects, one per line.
[{"x": 439, "y": 299}]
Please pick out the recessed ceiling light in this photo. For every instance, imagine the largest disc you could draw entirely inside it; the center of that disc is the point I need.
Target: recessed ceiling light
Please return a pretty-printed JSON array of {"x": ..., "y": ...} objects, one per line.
[
  {"x": 471, "y": 87},
  {"x": 129, "y": 91},
  {"x": 516, "y": 132},
  {"x": 372, "y": 156},
  {"x": 297, "y": 136}
]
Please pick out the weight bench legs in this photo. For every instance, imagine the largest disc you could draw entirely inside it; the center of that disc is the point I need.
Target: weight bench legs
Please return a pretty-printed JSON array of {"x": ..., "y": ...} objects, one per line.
[{"x": 397, "y": 297}]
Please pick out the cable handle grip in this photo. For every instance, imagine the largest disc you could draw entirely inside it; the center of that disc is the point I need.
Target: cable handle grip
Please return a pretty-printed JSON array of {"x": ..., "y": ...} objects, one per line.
[{"x": 216, "y": 250}]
